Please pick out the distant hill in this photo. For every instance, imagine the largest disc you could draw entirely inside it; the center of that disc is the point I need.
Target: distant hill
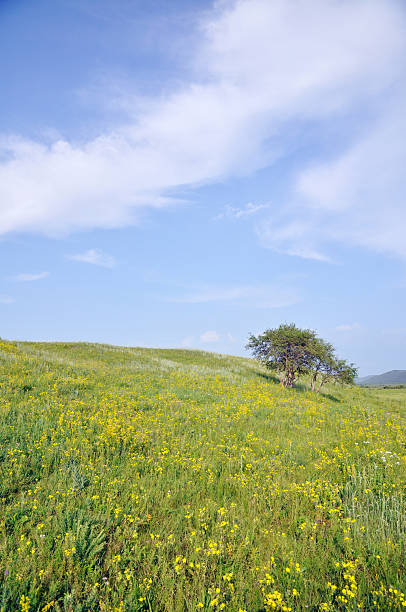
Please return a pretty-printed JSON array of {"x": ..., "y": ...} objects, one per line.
[{"x": 394, "y": 377}]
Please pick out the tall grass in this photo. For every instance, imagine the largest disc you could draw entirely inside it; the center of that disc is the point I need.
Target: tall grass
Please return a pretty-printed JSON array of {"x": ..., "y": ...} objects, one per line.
[{"x": 140, "y": 479}]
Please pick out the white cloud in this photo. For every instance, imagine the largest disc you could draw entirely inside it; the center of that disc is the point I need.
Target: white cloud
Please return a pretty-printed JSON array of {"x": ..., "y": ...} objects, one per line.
[
  {"x": 266, "y": 296},
  {"x": 95, "y": 257},
  {"x": 210, "y": 336},
  {"x": 206, "y": 337},
  {"x": 291, "y": 237},
  {"x": 30, "y": 277},
  {"x": 188, "y": 341},
  {"x": 260, "y": 67},
  {"x": 348, "y": 327},
  {"x": 359, "y": 198},
  {"x": 6, "y": 299},
  {"x": 238, "y": 213}
]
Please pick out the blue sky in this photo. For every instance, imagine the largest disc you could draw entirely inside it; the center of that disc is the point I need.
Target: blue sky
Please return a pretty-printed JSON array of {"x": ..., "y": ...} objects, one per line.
[{"x": 185, "y": 173}]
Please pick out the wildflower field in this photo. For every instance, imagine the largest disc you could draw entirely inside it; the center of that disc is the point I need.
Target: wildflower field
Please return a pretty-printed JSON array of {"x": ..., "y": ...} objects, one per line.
[{"x": 170, "y": 480}]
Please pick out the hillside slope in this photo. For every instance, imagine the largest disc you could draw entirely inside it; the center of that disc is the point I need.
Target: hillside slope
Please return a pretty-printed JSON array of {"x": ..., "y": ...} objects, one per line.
[
  {"x": 167, "y": 480},
  {"x": 394, "y": 377}
]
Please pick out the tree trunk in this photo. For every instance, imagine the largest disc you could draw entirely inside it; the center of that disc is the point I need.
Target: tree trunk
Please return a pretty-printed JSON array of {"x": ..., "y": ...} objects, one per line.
[
  {"x": 290, "y": 379},
  {"x": 320, "y": 386},
  {"x": 313, "y": 382}
]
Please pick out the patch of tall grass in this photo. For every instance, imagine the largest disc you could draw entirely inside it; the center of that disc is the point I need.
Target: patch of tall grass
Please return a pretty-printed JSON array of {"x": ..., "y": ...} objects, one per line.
[{"x": 140, "y": 479}]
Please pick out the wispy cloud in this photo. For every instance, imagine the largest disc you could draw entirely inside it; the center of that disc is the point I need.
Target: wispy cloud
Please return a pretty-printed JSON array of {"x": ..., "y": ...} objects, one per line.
[
  {"x": 6, "y": 299},
  {"x": 95, "y": 257},
  {"x": 209, "y": 336},
  {"x": 258, "y": 296},
  {"x": 206, "y": 337},
  {"x": 25, "y": 277},
  {"x": 231, "y": 119},
  {"x": 295, "y": 238},
  {"x": 348, "y": 327},
  {"x": 188, "y": 341},
  {"x": 357, "y": 198},
  {"x": 244, "y": 211}
]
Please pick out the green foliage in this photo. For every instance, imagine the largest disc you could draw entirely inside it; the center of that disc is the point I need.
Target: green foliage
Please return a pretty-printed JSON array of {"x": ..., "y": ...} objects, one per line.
[
  {"x": 286, "y": 349},
  {"x": 325, "y": 366},
  {"x": 293, "y": 352}
]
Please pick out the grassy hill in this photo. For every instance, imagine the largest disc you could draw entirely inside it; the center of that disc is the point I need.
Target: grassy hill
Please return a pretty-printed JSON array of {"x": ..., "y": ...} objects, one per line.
[
  {"x": 394, "y": 377},
  {"x": 165, "y": 480}
]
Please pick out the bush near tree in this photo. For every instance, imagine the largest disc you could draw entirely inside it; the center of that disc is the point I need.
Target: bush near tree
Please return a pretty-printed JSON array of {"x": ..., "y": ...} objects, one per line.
[{"x": 293, "y": 352}]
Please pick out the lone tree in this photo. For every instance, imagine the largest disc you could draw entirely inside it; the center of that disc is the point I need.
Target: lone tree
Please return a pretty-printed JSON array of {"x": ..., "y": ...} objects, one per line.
[
  {"x": 286, "y": 349},
  {"x": 293, "y": 352}
]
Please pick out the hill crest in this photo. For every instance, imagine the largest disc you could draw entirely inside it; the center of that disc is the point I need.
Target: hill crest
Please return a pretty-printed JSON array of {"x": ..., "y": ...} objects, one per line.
[{"x": 393, "y": 377}]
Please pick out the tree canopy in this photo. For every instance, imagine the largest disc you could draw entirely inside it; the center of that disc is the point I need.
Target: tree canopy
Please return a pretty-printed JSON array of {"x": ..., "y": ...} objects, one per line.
[{"x": 293, "y": 352}]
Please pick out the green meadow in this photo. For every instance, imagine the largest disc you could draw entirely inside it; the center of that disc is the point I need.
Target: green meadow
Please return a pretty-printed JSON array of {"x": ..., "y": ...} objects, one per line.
[{"x": 175, "y": 480}]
